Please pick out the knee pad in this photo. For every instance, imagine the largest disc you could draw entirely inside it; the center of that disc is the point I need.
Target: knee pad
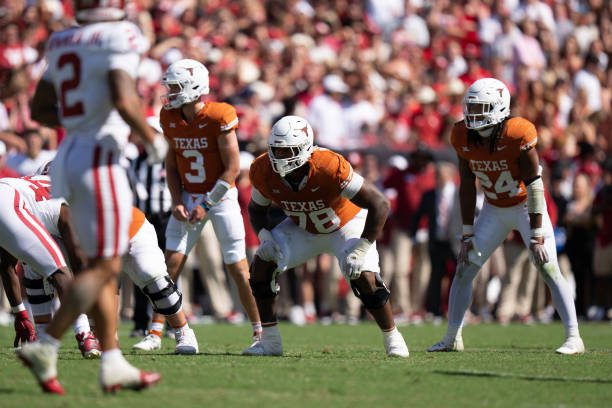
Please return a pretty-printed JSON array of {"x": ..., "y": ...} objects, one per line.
[
  {"x": 263, "y": 284},
  {"x": 377, "y": 298},
  {"x": 40, "y": 295},
  {"x": 165, "y": 297}
]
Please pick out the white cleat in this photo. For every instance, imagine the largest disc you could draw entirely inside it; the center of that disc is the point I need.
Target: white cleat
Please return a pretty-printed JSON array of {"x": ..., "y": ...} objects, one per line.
[
  {"x": 119, "y": 374},
  {"x": 149, "y": 343},
  {"x": 186, "y": 342},
  {"x": 270, "y": 344},
  {"x": 395, "y": 346},
  {"x": 447, "y": 345},
  {"x": 572, "y": 345},
  {"x": 41, "y": 359}
]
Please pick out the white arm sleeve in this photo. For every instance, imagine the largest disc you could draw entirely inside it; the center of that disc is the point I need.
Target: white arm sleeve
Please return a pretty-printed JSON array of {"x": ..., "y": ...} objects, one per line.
[
  {"x": 353, "y": 186},
  {"x": 259, "y": 198},
  {"x": 535, "y": 197}
]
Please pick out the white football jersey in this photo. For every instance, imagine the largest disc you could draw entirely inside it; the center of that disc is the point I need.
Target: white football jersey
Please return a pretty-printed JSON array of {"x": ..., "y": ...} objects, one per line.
[
  {"x": 36, "y": 192},
  {"x": 78, "y": 62}
]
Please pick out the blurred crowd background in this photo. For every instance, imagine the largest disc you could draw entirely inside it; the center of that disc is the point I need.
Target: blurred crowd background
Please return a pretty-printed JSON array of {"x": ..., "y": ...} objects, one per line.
[{"x": 382, "y": 82}]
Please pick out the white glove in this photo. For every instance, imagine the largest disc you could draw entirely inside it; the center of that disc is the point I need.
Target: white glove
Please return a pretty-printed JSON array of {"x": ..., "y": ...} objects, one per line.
[
  {"x": 355, "y": 258},
  {"x": 157, "y": 150},
  {"x": 536, "y": 246},
  {"x": 268, "y": 248}
]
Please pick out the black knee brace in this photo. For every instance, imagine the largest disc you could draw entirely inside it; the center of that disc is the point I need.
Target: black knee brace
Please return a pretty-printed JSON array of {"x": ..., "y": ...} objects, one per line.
[
  {"x": 261, "y": 286},
  {"x": 375, "y": 299},
  {"x": 159, "y": 300},
  {"x": 35, "y": 289}
]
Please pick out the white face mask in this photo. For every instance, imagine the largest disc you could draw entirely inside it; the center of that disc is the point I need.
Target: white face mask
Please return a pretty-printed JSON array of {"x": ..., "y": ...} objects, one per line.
[{"x": 486, "y": 132}]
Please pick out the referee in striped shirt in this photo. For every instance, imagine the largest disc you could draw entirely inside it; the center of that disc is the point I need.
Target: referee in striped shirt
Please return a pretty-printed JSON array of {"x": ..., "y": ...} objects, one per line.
[{"x": 152, "y": 197}]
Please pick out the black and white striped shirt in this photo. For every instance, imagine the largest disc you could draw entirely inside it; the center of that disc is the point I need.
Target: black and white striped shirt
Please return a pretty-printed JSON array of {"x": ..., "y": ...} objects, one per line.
[{"x": 150, "y": 189}]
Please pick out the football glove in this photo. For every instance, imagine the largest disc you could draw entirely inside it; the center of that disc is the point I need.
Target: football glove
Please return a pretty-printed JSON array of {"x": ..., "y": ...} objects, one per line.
[
  {"x": 538, "y": 251},
  {"x": 157, "y": 150},
  {"x": 24, "y": 329},
  {"x": 467, "y": 244},
  {"x": 268, "y": 250},
  {"x": 355, "y": 258}
]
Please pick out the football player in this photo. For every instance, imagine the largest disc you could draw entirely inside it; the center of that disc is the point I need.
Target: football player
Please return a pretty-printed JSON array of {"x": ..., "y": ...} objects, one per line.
[
  {"x": 144, "y": 264},
  {"x": 201, "y": 168},
  {"x": 90, "y": 75},
  {"x": 27, "y": 235},
  {"x": 499, "y": 151},
  {"x": 330, "y": 209}
]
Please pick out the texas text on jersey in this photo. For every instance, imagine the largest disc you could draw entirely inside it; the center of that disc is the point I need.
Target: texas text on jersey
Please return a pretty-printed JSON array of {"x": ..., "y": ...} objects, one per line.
[
  {"x": 498, "y": 171},
  {"x": 196, "y": 145},
  {"x": 320, "y": 206}
]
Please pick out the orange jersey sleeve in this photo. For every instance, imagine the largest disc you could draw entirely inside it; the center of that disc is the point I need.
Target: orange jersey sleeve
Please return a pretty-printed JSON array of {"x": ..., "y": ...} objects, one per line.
[
  {"x": 498, "y": 172},
  {"x": 318, "y": 206},
  {"x": 138, "y": 218},
  {"x": 196, "y": 144}
]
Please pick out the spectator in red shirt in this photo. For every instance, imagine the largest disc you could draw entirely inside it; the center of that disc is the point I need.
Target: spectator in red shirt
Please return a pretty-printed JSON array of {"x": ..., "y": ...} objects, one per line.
[{"x": 602, "y": 263}]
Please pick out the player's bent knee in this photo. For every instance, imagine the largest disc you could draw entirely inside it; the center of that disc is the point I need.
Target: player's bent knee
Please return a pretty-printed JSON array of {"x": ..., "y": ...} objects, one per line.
[
  {"x": 373, "y": 295},
  {"x": 164, "y": 296},
  {"x": 262, "y": 274}
]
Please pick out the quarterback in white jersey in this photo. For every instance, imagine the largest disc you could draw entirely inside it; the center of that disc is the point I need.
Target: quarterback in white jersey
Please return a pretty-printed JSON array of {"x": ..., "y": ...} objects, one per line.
[{"x": 90, "y": 73}]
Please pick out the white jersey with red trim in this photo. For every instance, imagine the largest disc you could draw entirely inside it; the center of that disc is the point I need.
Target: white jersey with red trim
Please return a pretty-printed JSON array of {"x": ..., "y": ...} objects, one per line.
[
  {"x": 36, "y": 193},
  {"x": 79, "y": 60}
]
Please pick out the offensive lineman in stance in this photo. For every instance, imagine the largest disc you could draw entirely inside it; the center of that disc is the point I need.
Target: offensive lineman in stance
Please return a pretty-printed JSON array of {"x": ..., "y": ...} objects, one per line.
[
  {"x": 329, "y": 209},
  {"x": 499, "y": 150}
]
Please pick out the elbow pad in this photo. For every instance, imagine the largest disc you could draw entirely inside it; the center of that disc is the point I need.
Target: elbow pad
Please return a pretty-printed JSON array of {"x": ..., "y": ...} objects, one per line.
[{"x": 535, "y": 197}]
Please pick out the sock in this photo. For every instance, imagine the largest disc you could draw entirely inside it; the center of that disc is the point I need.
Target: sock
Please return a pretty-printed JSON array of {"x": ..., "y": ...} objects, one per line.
[
  {"x": 183, "y": 327},
  {"x": 309, "y": 309},
  {"x": 157, "y": 327},
  {"x": 111, "y": 355},
  {"x": 562, "y": 297},
  {"x": 390, "y": 332},
  {"x": 81, "y": 325},
  {"x": 44, "y": 338},
  {"x": 19, "y": 308}
]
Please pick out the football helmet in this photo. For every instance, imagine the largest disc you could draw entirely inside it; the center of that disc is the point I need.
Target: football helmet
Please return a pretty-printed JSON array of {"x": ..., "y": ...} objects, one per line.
[
  {"x": 99, "y": 10},
  {"x": 186, "y": 80},
  {"x": 290, "y": 144},
  {"x": 486, "y": 103}
]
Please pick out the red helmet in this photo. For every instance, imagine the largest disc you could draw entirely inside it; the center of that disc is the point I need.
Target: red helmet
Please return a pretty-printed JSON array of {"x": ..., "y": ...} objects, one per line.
[{"x": 99, "y": 10}]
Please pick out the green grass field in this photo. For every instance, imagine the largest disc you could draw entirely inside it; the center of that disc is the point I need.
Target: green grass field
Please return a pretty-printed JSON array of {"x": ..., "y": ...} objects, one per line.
[{"x": 341, "y": 366}]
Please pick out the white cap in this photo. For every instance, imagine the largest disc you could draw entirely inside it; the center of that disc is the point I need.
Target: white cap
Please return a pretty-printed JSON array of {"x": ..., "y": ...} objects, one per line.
[
  {"x": 399, "y": 162},
  {"x": 333, "y": 83},
  {"x": 2, "y": 148},
  {"x": 427, "y": 95},
  {"x": 246, "y": 159}
]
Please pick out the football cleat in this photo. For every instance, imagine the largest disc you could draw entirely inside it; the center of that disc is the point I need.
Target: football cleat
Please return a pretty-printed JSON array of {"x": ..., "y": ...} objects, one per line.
[
  {"x": 269, "y": 345},
  {"x": 572, "y": 345},
  {"x": 119, "y": 374},
  {"x": 186, "y": 342},
  {"x": 89, "y": 345},
  {"x": 447, "y": 345},
  {"x": 149, "y": 343},
  {"x": 41, "y": 359},
  {"x": 395, "y": 346}
]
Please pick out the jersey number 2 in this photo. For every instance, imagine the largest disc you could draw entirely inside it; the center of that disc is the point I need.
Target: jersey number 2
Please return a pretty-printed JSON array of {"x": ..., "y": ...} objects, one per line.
[{"x": 74, "y": 62}]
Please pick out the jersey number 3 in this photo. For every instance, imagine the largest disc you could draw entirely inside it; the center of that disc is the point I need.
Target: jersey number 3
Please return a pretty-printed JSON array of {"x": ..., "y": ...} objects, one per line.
[
  {"x": 73, "y": 62},
  {"x": 196, "y": 164}
]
